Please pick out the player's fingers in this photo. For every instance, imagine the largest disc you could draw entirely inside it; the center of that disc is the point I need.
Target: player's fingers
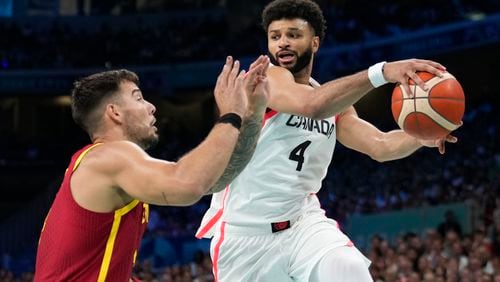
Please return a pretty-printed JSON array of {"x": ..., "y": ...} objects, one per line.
[
  {"x": 252, "y": 74},
  {"x": 240, "y": 78},
  {"x": 441, "y": 146},
  {"x": 431, "y": 69},
  {"x": 256, "y": 62},
  {"x": 407, "y": 88},
  {"x": 224, "y": 70},
  {"x": 233, "y": 74},
  {"x": 451, "y": 139},
  {"x": 227, "y": 68},
  {"x": 260, "y": 78},
  {"x": 223, "y": 76},
  {"x": 262, "y": 86},
  {"x": 265, "y": 66},
  {"x": 432, "y": 63},
  {"x": 418, "y": 80}
]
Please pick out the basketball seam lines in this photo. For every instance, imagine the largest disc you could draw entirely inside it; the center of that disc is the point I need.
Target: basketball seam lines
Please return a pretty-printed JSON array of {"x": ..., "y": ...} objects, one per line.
[
  {"x": 415, "y": 104},
  {"x": 433, "y": 98}
]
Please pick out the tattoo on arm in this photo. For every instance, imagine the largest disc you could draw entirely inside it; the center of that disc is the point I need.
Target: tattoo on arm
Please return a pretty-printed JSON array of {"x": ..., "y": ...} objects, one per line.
[
  {"x": 247, "y": 141},
  {"x": 164, "y": 198}
]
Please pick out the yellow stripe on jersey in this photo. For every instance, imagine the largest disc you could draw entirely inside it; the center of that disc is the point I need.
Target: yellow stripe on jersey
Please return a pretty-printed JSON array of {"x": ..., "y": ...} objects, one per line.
[
  {"x": 135, "y": 257},
  {"x": 80, "y": 157},
  {"x": 103, "y": 272},
  {"x": 145, "y": 214}
]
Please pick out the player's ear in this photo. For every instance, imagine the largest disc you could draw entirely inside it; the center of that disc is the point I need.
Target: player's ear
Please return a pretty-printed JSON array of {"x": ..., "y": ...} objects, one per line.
[
  {"x": 315, "y": 44},
  {"x": 113, "y": 112}
]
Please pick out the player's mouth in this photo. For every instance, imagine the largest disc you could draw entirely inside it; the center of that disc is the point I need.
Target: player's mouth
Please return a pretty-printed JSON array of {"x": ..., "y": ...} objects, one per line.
[
  {"x": 285, "y": 57},
  {"x": 153, "y": 124}
]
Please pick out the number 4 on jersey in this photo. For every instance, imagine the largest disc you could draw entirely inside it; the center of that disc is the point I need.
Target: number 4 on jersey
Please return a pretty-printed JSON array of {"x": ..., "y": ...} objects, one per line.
[{"x": 297, "y": 154}]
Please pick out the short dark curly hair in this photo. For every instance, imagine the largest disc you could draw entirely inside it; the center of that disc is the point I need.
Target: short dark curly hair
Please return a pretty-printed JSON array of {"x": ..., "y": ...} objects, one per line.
[
  {"x": 90, "y": 92},
  {"x": 295, "y": 9}
]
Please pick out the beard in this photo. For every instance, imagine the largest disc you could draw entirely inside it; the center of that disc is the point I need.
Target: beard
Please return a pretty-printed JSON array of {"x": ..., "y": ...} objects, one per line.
[
  {"x": 141, "y": 137},
  {"x": 150, "y": 142},
  {"x": 300, "y": 64}
]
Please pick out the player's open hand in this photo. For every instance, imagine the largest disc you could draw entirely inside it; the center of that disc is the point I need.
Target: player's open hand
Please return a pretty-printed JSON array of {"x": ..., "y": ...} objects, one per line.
[
  {"x": 440, "y": 143},
  {"x": 256, "y": 85},
  {"x": 402, "y": 71},
  {"x": 228, "y": 91}
]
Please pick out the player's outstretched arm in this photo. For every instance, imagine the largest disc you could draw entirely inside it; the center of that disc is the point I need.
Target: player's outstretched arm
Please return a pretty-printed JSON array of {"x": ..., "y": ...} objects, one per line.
[
  {"x": 357, "y": 134},
  {"x": 335, "y": 96},
  {"x": 185, "y": 182},
  {"x": 257, "y": 90}
]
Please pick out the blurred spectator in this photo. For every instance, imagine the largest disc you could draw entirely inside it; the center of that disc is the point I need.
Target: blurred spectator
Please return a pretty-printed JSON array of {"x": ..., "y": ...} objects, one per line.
[
  {"x": 450, "y": 223},
  {"x": 180, "y": 31}
]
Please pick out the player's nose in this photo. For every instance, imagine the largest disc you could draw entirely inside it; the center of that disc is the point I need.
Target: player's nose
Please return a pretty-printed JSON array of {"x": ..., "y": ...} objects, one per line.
[
  {"x": 152, "y": 108},
  {"x": 283, "y": 42}
]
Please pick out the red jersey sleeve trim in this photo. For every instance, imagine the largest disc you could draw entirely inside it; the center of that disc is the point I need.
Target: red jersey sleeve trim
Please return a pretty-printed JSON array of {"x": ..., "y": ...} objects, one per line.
[
  {"x": 84, "y": 152},
  {"x": 269, "y": 114}
]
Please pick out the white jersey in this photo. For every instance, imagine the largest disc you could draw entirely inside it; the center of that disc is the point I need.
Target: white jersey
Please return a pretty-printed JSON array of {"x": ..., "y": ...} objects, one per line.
[{"x": 291, "y": 159}]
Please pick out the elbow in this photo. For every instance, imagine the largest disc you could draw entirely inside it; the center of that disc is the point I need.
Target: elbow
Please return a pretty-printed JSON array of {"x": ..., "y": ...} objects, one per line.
[
  {"x": 186, "y": 194},
  {"x": 193, "y": 193},
  {"x": 379, "y": 151},
  {"x": 379, "y": 158}
]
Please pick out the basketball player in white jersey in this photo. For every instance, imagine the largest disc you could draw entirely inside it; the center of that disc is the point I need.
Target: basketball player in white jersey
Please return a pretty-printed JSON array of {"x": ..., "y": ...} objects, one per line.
[{"x": 267, "y": 225}]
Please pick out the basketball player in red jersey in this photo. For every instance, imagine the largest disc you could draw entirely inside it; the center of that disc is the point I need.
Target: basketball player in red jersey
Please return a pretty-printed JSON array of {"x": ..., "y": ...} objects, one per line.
[{"x": 94, "y": 227}]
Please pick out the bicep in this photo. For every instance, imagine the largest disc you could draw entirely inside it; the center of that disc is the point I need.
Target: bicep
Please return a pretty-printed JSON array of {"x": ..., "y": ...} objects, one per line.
[
  {"x": 286, "y": 95},
  {"x": 356, "y": 133},
  {"x": 151, "y": 180}
]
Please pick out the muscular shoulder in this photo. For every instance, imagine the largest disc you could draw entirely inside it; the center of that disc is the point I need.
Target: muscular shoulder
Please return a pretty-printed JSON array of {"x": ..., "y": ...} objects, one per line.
[
  {"x": 347, "y": 121},
  {"x": 286, "y": 95},
  {"x": 279, "y": 73},
  {"x": 110, "y": 157}
]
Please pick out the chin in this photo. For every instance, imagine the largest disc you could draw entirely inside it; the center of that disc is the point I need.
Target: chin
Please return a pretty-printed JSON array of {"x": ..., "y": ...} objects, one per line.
[
  {"x": 153, "y": 141},
  {"x": 150, "y": 142}
]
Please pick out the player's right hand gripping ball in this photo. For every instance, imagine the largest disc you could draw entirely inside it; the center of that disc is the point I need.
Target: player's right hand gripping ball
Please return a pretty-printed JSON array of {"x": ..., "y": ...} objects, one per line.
[{"x": 430, "y": 114}]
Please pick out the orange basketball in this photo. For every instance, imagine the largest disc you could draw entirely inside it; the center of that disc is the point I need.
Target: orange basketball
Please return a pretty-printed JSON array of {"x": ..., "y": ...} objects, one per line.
[{"x": 430, "y": 114}]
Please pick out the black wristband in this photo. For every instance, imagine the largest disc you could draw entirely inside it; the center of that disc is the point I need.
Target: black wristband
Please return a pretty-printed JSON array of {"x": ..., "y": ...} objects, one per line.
[{"x": 231, "y": 118}]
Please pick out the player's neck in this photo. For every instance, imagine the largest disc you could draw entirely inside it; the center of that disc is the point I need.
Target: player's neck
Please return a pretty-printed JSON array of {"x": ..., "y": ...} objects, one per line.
[
  {"x": 303, "y": 75},
  {"x": 109, "y": 135}
]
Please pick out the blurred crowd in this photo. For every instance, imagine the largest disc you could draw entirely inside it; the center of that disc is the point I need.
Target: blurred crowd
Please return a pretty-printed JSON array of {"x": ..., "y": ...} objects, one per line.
[
  {"x": 199, "y": 270},
  {"x": 436, "y": 258},
  {"x": 210, "y": 30}
]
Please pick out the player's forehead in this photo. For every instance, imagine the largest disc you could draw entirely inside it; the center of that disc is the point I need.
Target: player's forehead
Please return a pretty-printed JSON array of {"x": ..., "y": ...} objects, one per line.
[
  {"x": 129, "y": 87},
  {"x": 284, "y": 25}
]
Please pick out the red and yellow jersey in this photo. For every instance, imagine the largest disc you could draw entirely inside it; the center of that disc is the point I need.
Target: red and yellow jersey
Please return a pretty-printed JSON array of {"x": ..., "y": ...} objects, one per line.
[{"x": 80, "y": 245}]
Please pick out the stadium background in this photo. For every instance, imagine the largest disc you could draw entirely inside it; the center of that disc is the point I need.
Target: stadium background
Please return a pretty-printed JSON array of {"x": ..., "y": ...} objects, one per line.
[{"x": 177, "y": 47}]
